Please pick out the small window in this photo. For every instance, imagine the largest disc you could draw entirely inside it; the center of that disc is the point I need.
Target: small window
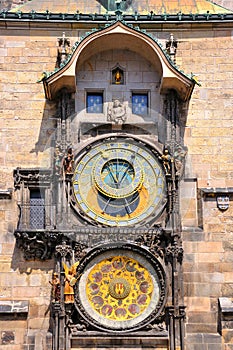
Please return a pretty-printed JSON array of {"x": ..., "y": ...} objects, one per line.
[
  {"x": 34, "y": 198},
  {"x": 140, "y": 103},
  {"x": 37, "y": 209},
  {"x": 94, "y": 102}
]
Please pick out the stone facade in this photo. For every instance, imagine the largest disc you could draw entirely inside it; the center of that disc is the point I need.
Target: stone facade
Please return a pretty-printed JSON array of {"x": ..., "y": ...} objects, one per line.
[{"x": 28, "y": 124}]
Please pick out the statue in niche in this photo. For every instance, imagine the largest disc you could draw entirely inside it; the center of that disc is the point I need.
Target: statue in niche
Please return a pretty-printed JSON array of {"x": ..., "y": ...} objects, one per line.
[
  {"x": 179, "y": 158},
  {"x": 58, "y": 160},
  {"x": 56, "y": 290},
  {"x": 166, "y": 160},
  {"x": 117, "y": 112},
  {"x": 117, "y": 76},
  {"x": 70, "y": 281},
  {"x": 68, "y": 161},
  {"x": 63, "y": 49}
]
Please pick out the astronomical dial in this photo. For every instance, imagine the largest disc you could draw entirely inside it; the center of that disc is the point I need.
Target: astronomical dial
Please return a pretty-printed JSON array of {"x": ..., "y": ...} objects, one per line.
[
  {"x": 121, "y": 289},
  {"x": 119, "y": 183}
]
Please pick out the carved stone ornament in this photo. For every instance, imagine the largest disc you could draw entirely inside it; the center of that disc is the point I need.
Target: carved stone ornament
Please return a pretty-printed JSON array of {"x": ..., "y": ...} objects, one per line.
[
  {"x": 37, "y": 245},
  {"x": 223, "y": 202},
  {"x": 174, "y": 252},
  {"x": 31, "y": 176},
  {"x": 117, "y": 112},
  {"x": 42, "y": 245},
  {"x": 80, "y": 250},
  {"x": 153, "y": 240},
  {"x": 63, "y": 250}
]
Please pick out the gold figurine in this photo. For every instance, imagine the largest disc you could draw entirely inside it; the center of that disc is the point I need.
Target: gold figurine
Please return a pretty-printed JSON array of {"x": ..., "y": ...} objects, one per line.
[{"x": 70, "y": 280}]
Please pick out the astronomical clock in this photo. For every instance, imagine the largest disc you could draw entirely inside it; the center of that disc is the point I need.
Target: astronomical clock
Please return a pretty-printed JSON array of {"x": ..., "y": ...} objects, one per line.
[
  {"x": 119, "y": 182},
  {"x": 108, "y": 211},
  {"x": 119, "y": 185}
]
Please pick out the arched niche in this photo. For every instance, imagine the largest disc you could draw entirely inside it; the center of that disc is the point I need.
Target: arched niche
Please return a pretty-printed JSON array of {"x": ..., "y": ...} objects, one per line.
[{"x": 119, "y": 36}]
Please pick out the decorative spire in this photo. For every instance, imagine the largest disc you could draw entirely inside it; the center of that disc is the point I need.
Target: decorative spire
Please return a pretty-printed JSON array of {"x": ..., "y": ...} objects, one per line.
[
  {"x": 119, "y": 9},
  {"x": 171, "y": 46},
  {"x": 63, "y": 49}
]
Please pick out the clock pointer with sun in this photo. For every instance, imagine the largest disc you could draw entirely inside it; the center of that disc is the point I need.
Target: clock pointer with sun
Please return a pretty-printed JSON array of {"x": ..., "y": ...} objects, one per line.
[{"x": 119, "y": 182}]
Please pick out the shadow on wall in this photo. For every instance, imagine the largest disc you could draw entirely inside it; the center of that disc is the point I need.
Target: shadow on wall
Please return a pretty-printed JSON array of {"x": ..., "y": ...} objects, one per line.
[
  {"x": 47, "y": 127},
  {"x": 26, "y": 267}
]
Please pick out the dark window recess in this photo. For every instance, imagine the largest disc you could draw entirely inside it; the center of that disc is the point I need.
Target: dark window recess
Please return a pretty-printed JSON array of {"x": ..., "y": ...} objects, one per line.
[
  {"x": 37, "y": 209},
  {"x": 94, "y": 102},
  {"x": 140, "y": 104}
]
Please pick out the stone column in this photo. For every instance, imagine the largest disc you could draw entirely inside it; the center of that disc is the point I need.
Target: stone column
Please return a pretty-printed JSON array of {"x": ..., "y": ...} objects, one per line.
[{"x": 63, "y": 253}]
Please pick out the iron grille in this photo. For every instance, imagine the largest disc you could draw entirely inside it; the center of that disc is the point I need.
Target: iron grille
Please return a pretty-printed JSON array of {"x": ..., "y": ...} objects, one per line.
[{"x": 37, "y": 209}]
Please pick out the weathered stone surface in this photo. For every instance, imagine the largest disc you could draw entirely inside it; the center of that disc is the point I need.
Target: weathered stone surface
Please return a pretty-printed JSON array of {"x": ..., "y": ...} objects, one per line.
[
  {"x": 8, "y": 337},
  {"x": 14, "y": 306},
  {"x": 204, "y": 342}
]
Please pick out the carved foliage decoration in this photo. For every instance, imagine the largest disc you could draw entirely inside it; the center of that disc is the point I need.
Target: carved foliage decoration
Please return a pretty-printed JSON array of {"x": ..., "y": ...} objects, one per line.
[
  {"x": 153, "y": 239},
  {"x": 37, "y": 245},
  {"x": 31, "y": 177},
  {"x": 174, "y": 250}
]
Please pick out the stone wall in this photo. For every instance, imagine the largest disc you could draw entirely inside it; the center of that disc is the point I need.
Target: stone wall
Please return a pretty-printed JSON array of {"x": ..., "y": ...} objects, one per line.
[
  {"x": 26, "y": 123},
  {"x": 208, "y": 135}
]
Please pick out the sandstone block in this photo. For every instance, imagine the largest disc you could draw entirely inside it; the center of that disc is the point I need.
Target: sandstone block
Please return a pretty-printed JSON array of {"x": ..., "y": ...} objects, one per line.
[{"x": 198, "y": 304}]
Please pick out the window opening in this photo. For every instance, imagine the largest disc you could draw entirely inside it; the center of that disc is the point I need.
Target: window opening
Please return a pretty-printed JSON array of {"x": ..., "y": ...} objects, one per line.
[
  {"x": 94, "y": 102},
  {"x": 140, "y": 103},
  {"x": 37, "y": 209}
]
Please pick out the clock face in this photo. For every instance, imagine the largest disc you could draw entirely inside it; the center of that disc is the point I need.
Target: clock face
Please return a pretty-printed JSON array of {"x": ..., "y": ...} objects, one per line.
[
  {"x": 121, "y": 289},
  {"x": 119, "y": 183}
]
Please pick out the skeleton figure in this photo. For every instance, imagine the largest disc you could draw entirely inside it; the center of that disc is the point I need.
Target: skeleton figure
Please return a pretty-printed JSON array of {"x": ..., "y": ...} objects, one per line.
[{"x": 166, "y": 159}]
